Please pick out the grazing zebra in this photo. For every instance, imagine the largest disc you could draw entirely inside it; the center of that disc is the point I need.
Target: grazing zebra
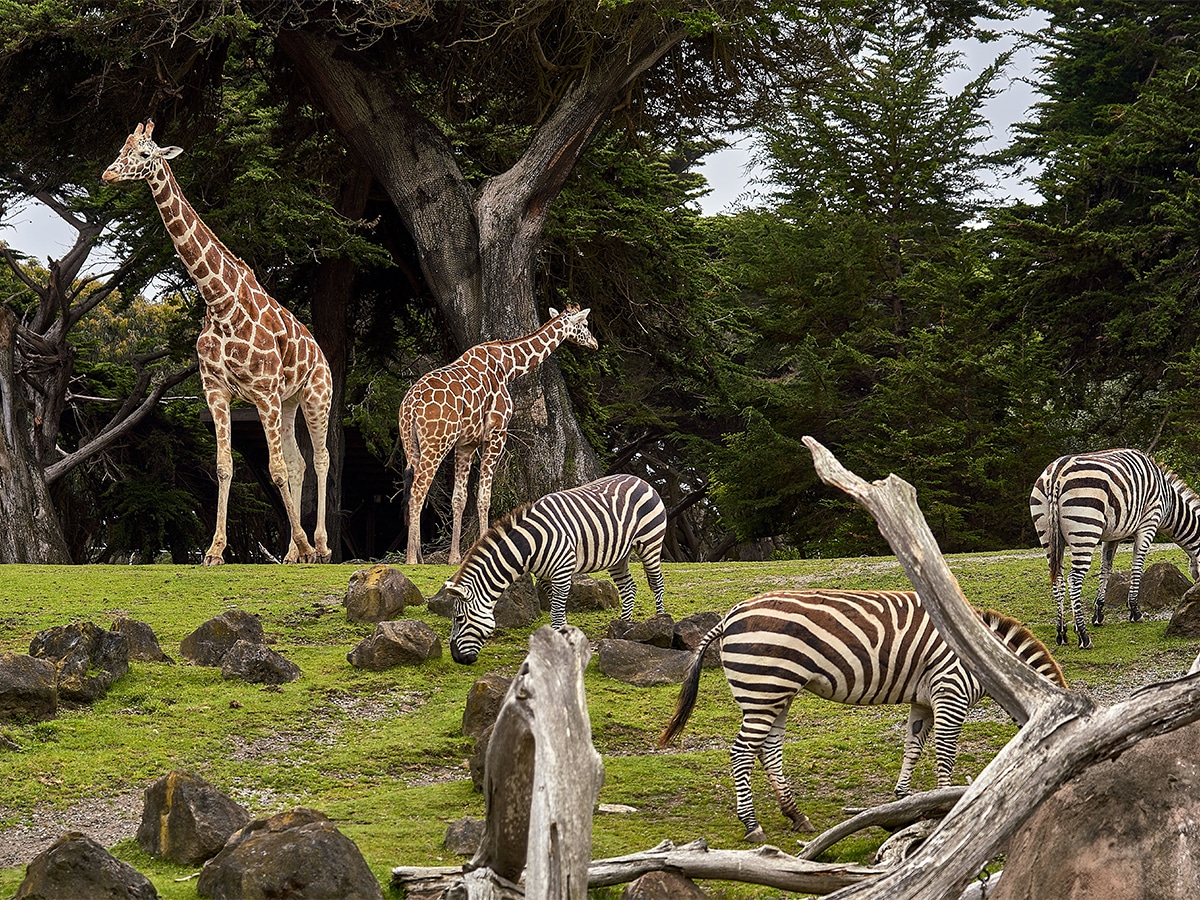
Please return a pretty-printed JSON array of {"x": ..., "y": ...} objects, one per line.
[
  {"x": 584, "y": 529},
  {"x": 864, "y": 648},
  {"x": 1103, "y": 498}
]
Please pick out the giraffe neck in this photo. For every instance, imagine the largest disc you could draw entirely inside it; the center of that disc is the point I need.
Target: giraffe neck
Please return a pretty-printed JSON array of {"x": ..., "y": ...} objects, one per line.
[
  {"x": 215, "y": 270},
  {"x": 521, "y": 355}
]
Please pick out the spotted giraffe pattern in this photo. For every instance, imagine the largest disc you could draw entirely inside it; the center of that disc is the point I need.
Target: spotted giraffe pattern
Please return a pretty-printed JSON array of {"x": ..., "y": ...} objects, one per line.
[
  {"x": 249, "y": 347},
  {"x": 466, "y": 405}
]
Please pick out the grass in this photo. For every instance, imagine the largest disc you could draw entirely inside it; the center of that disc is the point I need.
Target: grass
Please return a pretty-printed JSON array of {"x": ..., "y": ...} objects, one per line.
[{"x": 382, "y": 753}]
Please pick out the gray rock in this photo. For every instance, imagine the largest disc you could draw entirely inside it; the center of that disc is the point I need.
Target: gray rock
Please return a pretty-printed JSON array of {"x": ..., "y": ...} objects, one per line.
[
  {"x": 1162, "y": 587},
  {"x": 641, "y": 664},
  {"x": 587, "y": 594},
  {"x": 484, "y": 700},
  {"x": 1123, "y": 829},
  {"x": 258, "y": 664},
  {"x": 690, "y": 630},
  {"x": 187, "y": 820},
  {"x": 518, "y": 606},
  {"x": 88, "y": 658},
  {"x": 464, "y": 836},
  {"x": 208, "y": 644},
  {"x": 1185, "y": 621},
  {"x": 143, "y": 643},
  {"x": 663, "y": 886},
  {"x": 379, "y": 594},
  {"x": 75, "y": 867},
  {"x": 28, "y": 688},
  {"x": 658, "y": 631},
  {"x": 299, "y": 855},
  {"x": 405, "y": 643}
]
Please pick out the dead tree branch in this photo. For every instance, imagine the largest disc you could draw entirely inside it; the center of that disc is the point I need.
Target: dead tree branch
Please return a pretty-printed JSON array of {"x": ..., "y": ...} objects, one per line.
[{"x": 888, "y": 815}]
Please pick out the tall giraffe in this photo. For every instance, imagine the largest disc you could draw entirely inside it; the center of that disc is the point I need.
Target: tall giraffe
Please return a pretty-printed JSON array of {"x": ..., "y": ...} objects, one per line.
[
  {"x": 465, "y": 405},
  {"x": 250, "y": 347}
]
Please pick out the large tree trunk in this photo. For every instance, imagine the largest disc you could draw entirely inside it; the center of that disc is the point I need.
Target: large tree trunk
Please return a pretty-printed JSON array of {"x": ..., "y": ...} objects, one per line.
[
  {"x": 29, "y": 528},
  {"x": 478, "y": 249}
]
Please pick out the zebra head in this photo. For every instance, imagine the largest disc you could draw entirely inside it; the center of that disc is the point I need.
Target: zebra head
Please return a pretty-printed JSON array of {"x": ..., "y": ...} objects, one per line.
[{"x": 472, "y": 623}]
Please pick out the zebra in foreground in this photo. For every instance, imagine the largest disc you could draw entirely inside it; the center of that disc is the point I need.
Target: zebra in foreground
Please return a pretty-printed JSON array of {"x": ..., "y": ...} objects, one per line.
[
  {"x": 583, "y": 529},
  {"x": 1102, "y": 498},
  {"x": 863, "y": 648}
]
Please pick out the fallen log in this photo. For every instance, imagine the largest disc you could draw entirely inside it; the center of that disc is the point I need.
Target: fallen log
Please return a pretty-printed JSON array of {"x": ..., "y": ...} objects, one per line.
[{"x": 937, "y": 802}]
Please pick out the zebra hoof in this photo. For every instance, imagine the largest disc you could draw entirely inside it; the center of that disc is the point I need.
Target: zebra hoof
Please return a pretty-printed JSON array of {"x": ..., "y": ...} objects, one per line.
[
  {"x": 1085, "y": 643},
  {"x": 755, "y": 835},
  {"x": 802, "y": 824},
  {"x": 1061, "y": 639},
  {"x": 1135, "y": 616},
  {"x": 1098, "y": 621}
]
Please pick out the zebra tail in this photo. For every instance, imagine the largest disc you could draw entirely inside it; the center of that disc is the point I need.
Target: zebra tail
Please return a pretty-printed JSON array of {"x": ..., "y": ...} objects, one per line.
[
  {"x": 690, "y": 688},
  {"x": 1055, "y": 549}
]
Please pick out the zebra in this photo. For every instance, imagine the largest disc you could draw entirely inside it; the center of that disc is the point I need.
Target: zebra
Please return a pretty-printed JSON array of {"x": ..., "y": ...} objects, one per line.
[
  {"x": 1102, "y": 498},
  {"x": 863, "y": 648},
  {"x": 584, "y": 529}
]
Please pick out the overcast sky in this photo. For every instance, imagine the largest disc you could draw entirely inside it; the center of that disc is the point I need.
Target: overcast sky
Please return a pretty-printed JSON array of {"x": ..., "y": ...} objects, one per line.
[{"x": 730, "y": 173}]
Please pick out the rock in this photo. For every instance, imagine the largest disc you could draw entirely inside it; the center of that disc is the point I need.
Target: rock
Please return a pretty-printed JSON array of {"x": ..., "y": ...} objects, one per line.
[
  {"x": 1162, "y": 587},
  {"x": 478, "y": 759},
  {"x": 299, "y": 855},
  {"x": 143, "y": 643},
  {"x": 75, "y": 866},
  {"x": 441, "y": 604},
  {"x": 518, "y": 606},
  {"x": 28, "y": 688},
  {"x": 404, "y": 643},
  {"x": 641, "y": 664},
  {"x": 587, "y": 594},
  {"x": 88, "y": 658},
  {"x": 379, "y": 594},
  {"x": 464, "y": 836},
  {"x": 258, "y": 663},
  {"x": 663, "y": 885},
  {"x": 187, "y": 820},
  {"x": 484, "y": 700},
  {"x": 1185, "y": 621},
  {"x": 1124, "y": 829},
  {"x": 208, "y": 644},
  {"x": 690, "y": 630},
  {"x": 658, "y": 631}
]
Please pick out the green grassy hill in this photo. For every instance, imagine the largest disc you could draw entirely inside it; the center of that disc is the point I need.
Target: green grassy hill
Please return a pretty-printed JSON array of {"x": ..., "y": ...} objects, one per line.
[{"x": 383, "y": 754}]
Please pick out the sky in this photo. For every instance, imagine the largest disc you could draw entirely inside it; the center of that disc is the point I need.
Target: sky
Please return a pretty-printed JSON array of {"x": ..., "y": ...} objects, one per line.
[{"x": 731, "y": 173}]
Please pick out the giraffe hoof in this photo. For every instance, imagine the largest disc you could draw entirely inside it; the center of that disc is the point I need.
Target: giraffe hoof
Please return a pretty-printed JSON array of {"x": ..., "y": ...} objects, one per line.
[{"x": 210, "y": 560}]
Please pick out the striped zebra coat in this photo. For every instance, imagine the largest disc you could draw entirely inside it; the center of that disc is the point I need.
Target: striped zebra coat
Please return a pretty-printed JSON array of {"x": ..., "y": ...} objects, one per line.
[
  {"x": 585, "y": 529},
  {"x": 863, "y": 648},
  {"x": 1103, "y": 498}
]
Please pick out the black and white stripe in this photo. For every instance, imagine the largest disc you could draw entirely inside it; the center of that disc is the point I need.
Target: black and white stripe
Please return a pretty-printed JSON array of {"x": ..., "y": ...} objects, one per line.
[
  {"x": 585, "y": 529},
  {"x": 857, "y": 647},
  {"x": 1103, "y": 498}
]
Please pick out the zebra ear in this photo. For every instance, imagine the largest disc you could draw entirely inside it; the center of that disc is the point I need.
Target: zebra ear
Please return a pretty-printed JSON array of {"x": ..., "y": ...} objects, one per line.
[{"x": 454, "y": 590}]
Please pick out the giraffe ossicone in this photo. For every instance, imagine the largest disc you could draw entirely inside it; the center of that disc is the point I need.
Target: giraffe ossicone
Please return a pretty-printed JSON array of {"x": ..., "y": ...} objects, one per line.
[
  {"x": 466, "y": 406},
  {"x": 250, "y": 347}
]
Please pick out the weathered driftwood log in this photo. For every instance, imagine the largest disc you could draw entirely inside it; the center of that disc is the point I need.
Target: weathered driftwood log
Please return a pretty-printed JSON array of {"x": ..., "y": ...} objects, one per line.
[
  {"x": 937, "y": 802},
  {"x": 765, "y": 865},
  {"x": 1062, "y": 734}
]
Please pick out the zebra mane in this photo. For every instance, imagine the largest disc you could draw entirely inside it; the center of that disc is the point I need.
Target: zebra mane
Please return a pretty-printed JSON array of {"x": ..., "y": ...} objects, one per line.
[
  {"x": 1023, "y": 642},
  {"x": 489, "y": 537},
  {"x": 1182, "y": 488}
]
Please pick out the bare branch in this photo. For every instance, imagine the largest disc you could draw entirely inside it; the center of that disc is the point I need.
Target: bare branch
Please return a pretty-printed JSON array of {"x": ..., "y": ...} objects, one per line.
[{"x": 888, "y": 815}]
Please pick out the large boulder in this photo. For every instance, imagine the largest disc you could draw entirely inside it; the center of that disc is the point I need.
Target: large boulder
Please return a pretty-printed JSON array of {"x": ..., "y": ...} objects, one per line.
[
  {"x": 258, "y": 664},
  {"x": 89, "y": 659},
  {"x": 641, "y": 664},
  {"x": 690, "y": 630},
  {"x": 379, "y": 594},
  {"x": 408, "y": 642},
  {"x": 658, "y": 630},
  {"x": 143, "y": 643},
  {"x": 208, "y": 644},
  {"x": 587, "y": 594},
  {"x": 1162, "y": 586},
  {"x": 28, "y": 688},
  {"x": 1124, "y": 829},
  {"x": 1185, "y": 621},
  {"x": 187, "y": 820},
  {"x": 76, "y": 867},
  {"x": 663, "y": 885},
  {"x": 484, "y": 700},
  {"x": 299, "y": 855},
  {"x": 464, "y": 836},
  {"x": 518, "y": 606}
]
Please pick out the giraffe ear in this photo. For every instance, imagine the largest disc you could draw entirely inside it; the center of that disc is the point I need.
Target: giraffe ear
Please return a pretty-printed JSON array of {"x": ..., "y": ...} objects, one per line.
[
  {"x": 583, "y": 314},
  {"x": 553, "y": 313},
  {"x": 169, "y": 152}
]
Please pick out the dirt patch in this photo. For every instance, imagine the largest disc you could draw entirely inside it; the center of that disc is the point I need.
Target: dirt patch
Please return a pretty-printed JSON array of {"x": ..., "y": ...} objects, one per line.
[{"x": 107, "y": 821}]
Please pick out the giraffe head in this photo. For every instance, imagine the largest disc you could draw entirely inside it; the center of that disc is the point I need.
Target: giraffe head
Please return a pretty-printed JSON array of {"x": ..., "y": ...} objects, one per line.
[
  {"x": 139, "y": 157},
  {"x": 575, "y": 321}
]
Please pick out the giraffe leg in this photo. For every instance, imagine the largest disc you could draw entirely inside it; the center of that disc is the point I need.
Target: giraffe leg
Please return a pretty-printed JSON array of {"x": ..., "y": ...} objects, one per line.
[
  {"x": 294, "y": 460},
  {"x": 272, "y": 420},
  {"x": 316, "y": 417},
  {"x": 458, "y": 500},
  {"x": 489, "y": 459},
  {"x": 424, "y": 470},
  {"x": 218, "y": 405}
]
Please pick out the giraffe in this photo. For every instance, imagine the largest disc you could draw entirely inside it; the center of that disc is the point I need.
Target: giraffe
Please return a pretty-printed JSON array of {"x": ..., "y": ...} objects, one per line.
[
  {"x": 250, "y": 347},
  {"x": 465, "y": 405}
]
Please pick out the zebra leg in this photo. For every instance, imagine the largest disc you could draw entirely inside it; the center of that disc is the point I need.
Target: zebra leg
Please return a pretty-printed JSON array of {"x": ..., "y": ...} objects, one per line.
[
  {"x": 654, "y": 578},
  {"x": 949, "y": 711},
  {"x": 746, "y": 746},
  {"x": 560, "y": 589},
  {"x": 1140, "y": 548},
  {"x": 1075, "y": 589},
  {"x": 626, "y": 587},
  {"x": 1060, "y": 593},
  {"x": 1108, "y": 549},
  {"x": 771, "y": 756},
  {"x": 920, "y": 720}
]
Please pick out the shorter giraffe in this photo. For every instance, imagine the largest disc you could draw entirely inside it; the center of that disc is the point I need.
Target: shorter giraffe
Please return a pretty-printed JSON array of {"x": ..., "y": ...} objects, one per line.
[
  {"x": 250, "y": 347},
  {"x": 465, "y": 405}
]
